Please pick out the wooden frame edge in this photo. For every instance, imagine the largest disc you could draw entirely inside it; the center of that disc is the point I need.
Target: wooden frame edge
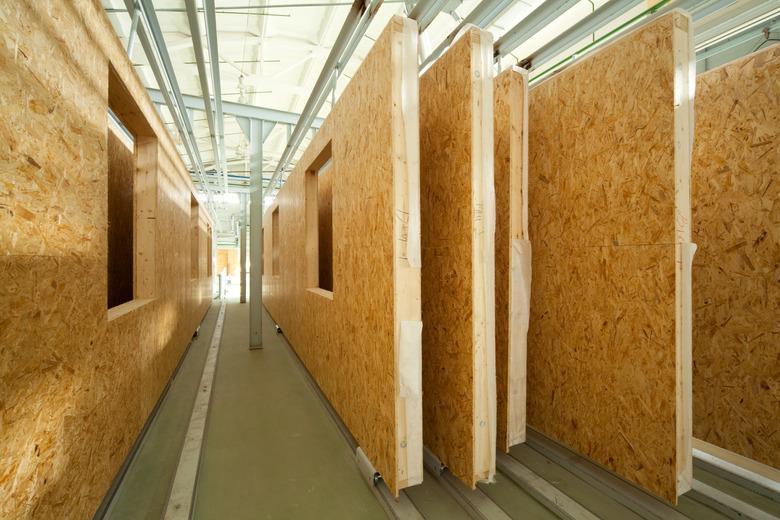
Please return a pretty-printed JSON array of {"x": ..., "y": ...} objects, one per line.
[
  {"x": 483, "y": 225},
  {"x": 684, "y": 90},
  {"x": 520, "y": 262},
  {"x": 407, "y": 286}
]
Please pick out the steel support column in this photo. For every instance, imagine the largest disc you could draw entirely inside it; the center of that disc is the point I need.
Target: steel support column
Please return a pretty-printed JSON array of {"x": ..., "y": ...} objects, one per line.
[
  {"x": 242, "y": 241},
  {"x": 256, "y": 234}
]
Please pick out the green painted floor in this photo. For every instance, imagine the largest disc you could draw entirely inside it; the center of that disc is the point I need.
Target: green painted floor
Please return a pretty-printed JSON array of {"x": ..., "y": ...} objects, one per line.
[
  {"x": 271, "y": 450},
  {"x": 143, "y": 493}
]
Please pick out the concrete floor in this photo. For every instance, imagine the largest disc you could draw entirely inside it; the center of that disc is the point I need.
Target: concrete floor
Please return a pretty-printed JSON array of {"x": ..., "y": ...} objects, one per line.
[{"x": 272, "y": 450}]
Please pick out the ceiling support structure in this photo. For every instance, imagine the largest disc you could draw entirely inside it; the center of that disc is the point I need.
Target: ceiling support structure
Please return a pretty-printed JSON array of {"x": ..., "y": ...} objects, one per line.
[
  {"x": 216, "y": 83},
  {"x": 242, "y": 236},
  {"x": 256, "y": 234},
  {"x": 355, "y": 25},
  {"x": 593, "y": 22},
  {"x": 534, "y": 22},
  {"x": 134, "y": 17},
  {"x": 154, "y": 46},
  {"x": 481, "y": 16},
  {"x": 238, "y": 109},
  {"x": 582, "y": 29},
  {"x": 425, "y": 11},
  {"x": 197, "y": 47}
]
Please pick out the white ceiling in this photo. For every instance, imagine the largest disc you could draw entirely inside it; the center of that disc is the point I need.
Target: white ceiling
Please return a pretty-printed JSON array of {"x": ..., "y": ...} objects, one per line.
[{"x": 271, "y": 57}]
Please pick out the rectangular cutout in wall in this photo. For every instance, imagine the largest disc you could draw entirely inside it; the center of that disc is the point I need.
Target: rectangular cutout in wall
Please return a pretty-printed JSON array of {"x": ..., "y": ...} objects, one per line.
[
  {"x": 319, "y": 221},
  {"x": 132, "y": 198},
  {"x": 194, "y": 236},
  {"x": 275, "y": 267},
  {"x": 121, "y": 215}
]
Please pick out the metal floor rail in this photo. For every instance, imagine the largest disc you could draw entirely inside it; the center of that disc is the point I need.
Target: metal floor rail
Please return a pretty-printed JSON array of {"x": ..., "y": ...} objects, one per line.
[{"x": 565, "y": 484}]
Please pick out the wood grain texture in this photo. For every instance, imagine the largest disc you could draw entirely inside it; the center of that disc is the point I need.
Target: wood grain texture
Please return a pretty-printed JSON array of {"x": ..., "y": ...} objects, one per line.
[
  {"x": 76, "y": 388},
  {"x": 736, "y": 276},
  {"x": 350, "y": 339},
  {"x": 510, "y": 120},
  {"x": 607, "y": 185},
  {"x": 458, "y": 337}
]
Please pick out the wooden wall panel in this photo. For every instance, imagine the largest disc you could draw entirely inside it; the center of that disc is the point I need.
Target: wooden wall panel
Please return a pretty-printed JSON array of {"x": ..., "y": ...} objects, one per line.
[
  {"x": 736, "y": 223},
  {"x": 458, "y": 219},
  {"x": 77, "y": 386},
  {"x": 361, "y": 342},
  {"x": 609, "y": 340},
  {"x": 513, "y": 253}
]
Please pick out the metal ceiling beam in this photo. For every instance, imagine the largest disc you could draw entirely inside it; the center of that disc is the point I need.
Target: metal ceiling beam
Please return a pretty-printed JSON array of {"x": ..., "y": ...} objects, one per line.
[
  {"x": 197, "y": 46},
  {"x": 598, "y": 19},
  {"x": 216, "y": 84},
  {"x": 238, "y": 109},
  {"x": 154, "y": 46},
  {"x": 534, "y": 22},
  {"x": 424, "y": 12},
  {"x": 481, "y": 16},
  {"x": 582, "y": 29},
  {"x": 355, "y": 25}
]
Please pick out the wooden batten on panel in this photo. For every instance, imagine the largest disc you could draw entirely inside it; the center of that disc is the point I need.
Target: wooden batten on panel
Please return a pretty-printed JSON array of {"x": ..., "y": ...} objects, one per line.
[
  {"x": 458, "y": 225},
  {"x": 513, "y": 253},
  {"x": 736, "y": 223},
  {"x": 609, "y": 349},
  {"x": 361, "y": 341}
]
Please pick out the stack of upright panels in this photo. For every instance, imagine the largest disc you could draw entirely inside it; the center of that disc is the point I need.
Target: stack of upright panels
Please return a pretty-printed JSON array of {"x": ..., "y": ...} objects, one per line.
[
  {"x": 736, "y": 224},
  {"x": 458, "y": 222},
  {"x": 353, "y": 316},
  {"x": 513, "y": 253},
  {"x": 609, "y": 343}
]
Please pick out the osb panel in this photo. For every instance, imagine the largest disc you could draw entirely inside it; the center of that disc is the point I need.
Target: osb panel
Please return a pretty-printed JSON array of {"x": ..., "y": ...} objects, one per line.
[
  {"x": 347, "y": 341},
  {"x": 602, "y": 341},
  {"x": 227, "y": 260},
  {"x": 510, "y": 169},
  {"x": 736, "y": 223},
  {"x": 121, "y": 219},
  {"x": 75, "y": 388},
  {"x": 450, "y": 391}
]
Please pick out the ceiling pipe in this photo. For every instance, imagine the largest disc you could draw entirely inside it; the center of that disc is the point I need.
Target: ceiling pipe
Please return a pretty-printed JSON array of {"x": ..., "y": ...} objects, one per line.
[
  {"x": 482, "y": 15},
  {"x": 534, "y": 22},
  {"x": 213, "y": 45},
  {"x": 197, "y": 45},
  {"x": 593, "y": 22},
  {"x": 154, "y": 46},
  {"x": 352, "y": 25}
]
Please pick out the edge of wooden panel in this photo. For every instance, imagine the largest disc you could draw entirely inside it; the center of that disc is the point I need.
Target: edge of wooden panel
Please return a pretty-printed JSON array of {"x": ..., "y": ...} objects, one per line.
[
  {"x": 407, "y": 257},
  {"x": 520, "y": 261},
  {"x": 684, "y": 89},
  {"x": 483, "y": 202}
]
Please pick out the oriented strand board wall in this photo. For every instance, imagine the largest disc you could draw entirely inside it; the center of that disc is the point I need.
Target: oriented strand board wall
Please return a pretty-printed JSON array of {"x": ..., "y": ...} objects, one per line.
[
  {"x": 227, "y": 259},
  {"x": 609, "y": 345},
  {"x": 513, "y": 253},
  {"x": 75, "y": 387},
  {"x": 361, "y": 342},
  {"x": 458, "y": 212},
  {"x": 736, "y": 278}
]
